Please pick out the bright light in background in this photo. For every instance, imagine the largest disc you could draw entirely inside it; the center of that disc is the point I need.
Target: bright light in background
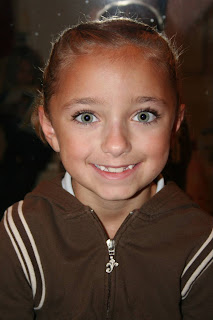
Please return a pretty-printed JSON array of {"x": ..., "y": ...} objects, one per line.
[{"x": 141, "y": 10}]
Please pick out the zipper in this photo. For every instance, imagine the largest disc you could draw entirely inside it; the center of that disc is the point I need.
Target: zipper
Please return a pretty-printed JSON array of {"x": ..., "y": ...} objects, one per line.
[
  {"x": 112, "y": 262},
  {"x": 111, "y": 249},
  {"x": 109, "y": 268}
]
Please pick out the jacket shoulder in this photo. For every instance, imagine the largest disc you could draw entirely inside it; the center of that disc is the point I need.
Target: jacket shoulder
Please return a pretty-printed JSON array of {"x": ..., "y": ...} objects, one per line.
[{"x": 22, "y": 252}]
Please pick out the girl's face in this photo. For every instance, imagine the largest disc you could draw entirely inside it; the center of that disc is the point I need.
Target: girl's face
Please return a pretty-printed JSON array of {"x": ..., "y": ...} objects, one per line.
[{"x": 112, "y": 120}]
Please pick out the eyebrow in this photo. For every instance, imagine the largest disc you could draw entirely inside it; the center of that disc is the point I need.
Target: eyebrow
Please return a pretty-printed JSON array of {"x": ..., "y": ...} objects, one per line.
[
  {"x": 96, "y": 101},
  {"x": 142, "y": 99},
  {"x": 86, "y": 100}
]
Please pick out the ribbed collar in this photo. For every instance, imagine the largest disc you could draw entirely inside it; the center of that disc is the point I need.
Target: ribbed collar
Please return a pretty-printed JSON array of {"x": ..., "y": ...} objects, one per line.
[{"x": 170, "y": 197}]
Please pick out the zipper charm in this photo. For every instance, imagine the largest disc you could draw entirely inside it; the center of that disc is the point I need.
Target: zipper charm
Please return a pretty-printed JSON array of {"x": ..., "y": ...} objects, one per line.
[{"x": 111, "y": 249}]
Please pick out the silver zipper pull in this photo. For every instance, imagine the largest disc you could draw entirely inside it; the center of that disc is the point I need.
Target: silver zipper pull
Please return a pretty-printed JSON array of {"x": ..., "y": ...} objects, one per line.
[{"x": 111, "y": 249}]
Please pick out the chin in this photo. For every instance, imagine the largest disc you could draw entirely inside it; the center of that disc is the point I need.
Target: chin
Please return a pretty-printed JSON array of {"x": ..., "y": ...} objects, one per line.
[{"x": 116, "y": 196}]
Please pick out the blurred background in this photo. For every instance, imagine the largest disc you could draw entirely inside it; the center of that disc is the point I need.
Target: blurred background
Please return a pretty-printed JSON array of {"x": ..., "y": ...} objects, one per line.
[{"x": 27, "y": 28}]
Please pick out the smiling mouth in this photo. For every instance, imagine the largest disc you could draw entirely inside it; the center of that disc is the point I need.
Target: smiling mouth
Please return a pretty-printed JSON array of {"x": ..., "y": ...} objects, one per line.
[{"x": 115, "y": 170}]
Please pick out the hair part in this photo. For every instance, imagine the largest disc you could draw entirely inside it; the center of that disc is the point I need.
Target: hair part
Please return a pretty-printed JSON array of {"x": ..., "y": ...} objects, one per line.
[{"x": 106, "y": 34}]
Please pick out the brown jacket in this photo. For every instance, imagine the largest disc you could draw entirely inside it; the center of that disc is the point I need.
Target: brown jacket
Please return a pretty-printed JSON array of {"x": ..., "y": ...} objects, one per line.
[{"x": 53, "y": 260}]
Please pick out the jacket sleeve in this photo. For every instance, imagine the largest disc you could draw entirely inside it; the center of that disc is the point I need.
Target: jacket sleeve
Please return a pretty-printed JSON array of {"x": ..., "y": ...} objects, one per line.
[
  {"x": 16, "y": 300},
  {"x": 197, "y": 289},
  {"x": 199, "y": 303}
]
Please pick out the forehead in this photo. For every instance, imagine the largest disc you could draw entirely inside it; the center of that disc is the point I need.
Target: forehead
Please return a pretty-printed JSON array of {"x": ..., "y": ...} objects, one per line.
[
  {"x": 128, "y": 53},
  {"x": 112, "y": 56},
  {"x": 112, "y": 75}
]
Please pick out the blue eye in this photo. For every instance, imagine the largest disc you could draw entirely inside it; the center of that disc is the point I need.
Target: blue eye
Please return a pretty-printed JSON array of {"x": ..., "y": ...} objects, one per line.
[
  {"x": 86, "y": 117},
  {"x": 145, "y": 116}
]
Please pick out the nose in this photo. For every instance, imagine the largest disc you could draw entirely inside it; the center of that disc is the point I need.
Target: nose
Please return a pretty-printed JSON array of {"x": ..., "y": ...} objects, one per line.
[{"x": 116, "y": 141}]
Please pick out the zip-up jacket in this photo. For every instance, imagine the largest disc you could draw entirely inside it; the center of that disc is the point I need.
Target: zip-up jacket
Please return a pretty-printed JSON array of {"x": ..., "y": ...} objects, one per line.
[{"x": 56, "y": 261}]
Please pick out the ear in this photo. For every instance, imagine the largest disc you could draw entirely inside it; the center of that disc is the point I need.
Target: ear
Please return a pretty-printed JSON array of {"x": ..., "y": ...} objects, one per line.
[
  {"x": 180, "y": 117},
  {"x": 48, "y": 129}
]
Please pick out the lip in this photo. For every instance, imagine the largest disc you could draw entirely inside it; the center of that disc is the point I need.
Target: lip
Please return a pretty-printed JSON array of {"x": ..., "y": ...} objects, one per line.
[
  {"x": 116, "y": 175},
  {"x": 120, "y": 166}
]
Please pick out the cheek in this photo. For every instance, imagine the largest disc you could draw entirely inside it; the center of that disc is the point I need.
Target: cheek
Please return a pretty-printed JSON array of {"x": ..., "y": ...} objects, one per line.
[
  {"x": 74, "y": 147},
  {"x": 158, "y": 145}
]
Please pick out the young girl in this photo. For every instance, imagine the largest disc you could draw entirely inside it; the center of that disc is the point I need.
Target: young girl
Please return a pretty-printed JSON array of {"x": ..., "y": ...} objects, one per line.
[{"x": 111, "y": 239}]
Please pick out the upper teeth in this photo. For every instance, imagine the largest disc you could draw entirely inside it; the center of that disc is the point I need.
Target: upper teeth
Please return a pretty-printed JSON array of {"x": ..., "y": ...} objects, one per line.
[{"x": 116, "y": 170}]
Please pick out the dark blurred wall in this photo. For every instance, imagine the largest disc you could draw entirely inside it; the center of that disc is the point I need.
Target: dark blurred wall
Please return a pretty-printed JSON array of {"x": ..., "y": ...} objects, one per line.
[{"x": 6, "y": 27}]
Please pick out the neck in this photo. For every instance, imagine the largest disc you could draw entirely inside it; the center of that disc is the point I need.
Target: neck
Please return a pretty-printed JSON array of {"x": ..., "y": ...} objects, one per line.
[{"x": 113, "y": 213}]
